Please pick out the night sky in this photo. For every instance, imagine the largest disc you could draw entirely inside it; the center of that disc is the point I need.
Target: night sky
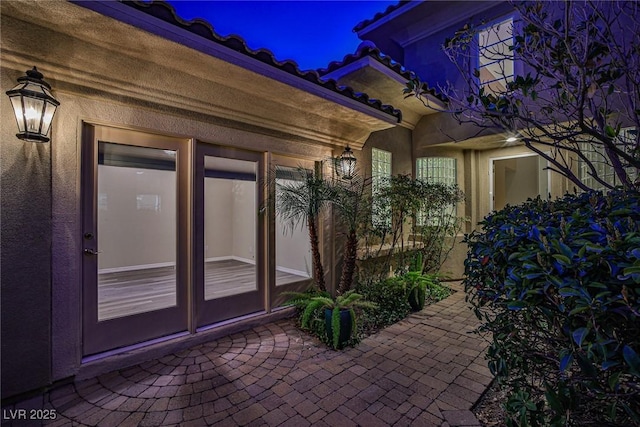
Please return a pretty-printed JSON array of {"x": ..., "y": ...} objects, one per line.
[{"x": 312, "y": 33}]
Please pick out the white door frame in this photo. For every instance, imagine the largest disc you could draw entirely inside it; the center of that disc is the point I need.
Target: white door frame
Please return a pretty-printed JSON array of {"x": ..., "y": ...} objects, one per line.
[{"x": 491, "y": 174}]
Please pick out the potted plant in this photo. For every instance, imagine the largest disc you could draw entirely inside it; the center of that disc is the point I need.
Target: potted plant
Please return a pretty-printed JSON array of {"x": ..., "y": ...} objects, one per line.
[
  {"x": 418, "y": 285},
  {"x": 415, "y": 283},
  {"x": 340, "y": 316},
  {"x": 416, "y": 288}
]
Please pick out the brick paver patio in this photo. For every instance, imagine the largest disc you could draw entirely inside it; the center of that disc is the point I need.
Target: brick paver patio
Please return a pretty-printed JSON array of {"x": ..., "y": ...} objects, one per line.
[{"x": 424, "y": 371}]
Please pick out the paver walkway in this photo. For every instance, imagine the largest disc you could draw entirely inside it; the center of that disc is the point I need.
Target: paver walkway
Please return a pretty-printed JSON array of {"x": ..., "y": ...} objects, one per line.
[{"x": 424, "y": 371}]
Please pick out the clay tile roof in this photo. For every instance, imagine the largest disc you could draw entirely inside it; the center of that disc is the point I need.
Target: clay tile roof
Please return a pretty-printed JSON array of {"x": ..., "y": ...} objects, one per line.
[
  {"x": 379, "y": 15},
  {"x": 368, "y": 48},
  {"x": 167, "y": 13}
]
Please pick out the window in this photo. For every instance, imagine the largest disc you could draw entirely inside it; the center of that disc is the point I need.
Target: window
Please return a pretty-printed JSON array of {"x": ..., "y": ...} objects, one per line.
[
  {"x": 440, "y": 170},
  {"x": 596, "y": 156},
  {"x": 380, "y": 174},
  {"x": 495, "y": 58},
  {"x": 380, "y": 166},
  {"x": 293, "y": 248},
  {"x": 436, "y": 169}
]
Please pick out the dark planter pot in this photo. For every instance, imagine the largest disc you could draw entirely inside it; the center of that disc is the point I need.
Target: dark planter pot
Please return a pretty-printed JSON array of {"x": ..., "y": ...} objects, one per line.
[
  {"x": 345, "y": 326},
  {"x": 416, "y": 299}
]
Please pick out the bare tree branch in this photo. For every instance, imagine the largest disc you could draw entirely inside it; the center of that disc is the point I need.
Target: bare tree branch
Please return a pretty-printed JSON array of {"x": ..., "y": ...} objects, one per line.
[{"x": 578, "y": 90}]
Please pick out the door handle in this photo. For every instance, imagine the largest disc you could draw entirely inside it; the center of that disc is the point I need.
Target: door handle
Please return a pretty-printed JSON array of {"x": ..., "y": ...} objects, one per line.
[{"x": 91, "y": 252}]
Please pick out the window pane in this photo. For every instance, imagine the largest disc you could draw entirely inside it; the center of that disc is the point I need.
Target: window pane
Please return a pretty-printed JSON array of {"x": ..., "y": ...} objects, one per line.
[
  {"x": 230, "y": 223},
  {"x": 293, "y": 249},
  {"x": 137, "y": 214},
  {"x": 595, "y": 154},
  {"x": 495, "y": 59},
  {"x": 380, "y": 172},
  {"x": 436, "y": 170}
]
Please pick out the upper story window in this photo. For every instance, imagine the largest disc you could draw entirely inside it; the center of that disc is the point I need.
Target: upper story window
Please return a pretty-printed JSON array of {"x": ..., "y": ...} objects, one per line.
[
  {"x": 596, "y": 156},
  {"x": 495, "y": 57}
]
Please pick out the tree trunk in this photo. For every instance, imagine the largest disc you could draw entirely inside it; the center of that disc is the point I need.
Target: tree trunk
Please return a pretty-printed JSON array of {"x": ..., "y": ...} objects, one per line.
[
  {"x": 318, "y": 270},
  {"x": 348, "y": 262}
]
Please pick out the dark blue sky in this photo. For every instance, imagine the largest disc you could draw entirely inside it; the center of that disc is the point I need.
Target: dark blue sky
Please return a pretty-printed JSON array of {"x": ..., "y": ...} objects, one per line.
[{"x": 312, "y": 33}]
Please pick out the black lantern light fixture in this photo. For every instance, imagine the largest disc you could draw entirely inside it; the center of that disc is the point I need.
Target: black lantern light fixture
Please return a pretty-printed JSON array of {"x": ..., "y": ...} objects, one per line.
[
  {"x": 34, "y": 106},
  {"x": 347, "y": 164}
]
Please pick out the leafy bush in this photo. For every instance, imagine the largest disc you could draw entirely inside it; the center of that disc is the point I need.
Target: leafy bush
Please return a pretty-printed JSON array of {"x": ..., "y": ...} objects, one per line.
[
  {"x": 407, "y": 217},
  {"x": 557, "y": 286},
  {"x": 383, "y": 302},
  {"x": 391, "y": 297}
]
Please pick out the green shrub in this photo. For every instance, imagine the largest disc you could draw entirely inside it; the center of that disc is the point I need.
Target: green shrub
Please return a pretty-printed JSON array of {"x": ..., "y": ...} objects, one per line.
[
  {"x": 410, "y": 217},
  {"x": 391, "y": 297},
  {"x": 557, "y": 286},
  {"x": 436, "y": 291}
]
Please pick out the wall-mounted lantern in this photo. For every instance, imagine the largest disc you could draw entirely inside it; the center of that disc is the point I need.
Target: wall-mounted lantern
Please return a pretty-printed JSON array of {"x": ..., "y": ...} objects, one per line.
[
  {"x": 346, "y": 164},
  {"x": 34, "y": 106}
]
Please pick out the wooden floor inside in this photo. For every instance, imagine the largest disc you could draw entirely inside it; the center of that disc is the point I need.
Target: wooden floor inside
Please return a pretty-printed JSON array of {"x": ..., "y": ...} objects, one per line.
[{"x": 138, "y": 291}]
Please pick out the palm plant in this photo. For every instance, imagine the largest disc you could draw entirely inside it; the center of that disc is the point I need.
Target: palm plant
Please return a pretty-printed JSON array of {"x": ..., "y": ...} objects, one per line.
[
  {"x": 310, "y": 303},
  {"x": 299, "y": 200},
  {"x": 352, "y": 201}
]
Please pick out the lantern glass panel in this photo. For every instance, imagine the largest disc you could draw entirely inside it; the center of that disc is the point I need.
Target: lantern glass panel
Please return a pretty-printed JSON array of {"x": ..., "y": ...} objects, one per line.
[
  {"x": 47, "y": 118},
  {"x": 16, "y": 103},
  {"x": 33, "y": 114}
]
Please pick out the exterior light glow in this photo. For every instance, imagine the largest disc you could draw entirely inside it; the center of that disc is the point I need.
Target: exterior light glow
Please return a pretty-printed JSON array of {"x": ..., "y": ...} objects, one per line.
[
  {"x": 34, "y": 106},
  {"x": 346, "y": 164}
]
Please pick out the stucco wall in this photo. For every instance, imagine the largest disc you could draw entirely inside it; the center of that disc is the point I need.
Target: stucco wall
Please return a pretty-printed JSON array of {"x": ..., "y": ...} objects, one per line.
[
  {"x": 453, "y": 264},
  {"x": 516, "y": 179},
  {"x": 396, "y": 140},
  {"x": 25, "y": 258},
  {"x": 440, "y": 128},
  {"x": 41, "y": 225}
]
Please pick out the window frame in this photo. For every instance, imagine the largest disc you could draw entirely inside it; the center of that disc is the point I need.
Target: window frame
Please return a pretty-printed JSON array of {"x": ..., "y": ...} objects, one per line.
[
  {"x": 421, "y": 218},
  {"x": 488, "y": 28},
  {"x": 378, "y": 180},
  {"x": 595, "y": 154},
  {"x": 374, "y": 174}
]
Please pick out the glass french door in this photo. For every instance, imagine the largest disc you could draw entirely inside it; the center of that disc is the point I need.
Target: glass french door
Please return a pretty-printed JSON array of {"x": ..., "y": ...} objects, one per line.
[
  {"x": 176, "y": 237},
  {"x": 229, "y": 234},
  {"x": 291, "y": 266},
  {"x": 135, "y": 247}
]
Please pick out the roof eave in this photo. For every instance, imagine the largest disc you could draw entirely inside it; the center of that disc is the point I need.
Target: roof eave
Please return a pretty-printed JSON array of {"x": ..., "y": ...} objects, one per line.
[
  {"x": 130, "y": 13},
  {"x": 364, "y": 27}
]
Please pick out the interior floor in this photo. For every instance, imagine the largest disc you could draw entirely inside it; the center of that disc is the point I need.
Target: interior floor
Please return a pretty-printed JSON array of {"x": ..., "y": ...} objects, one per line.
[{"x": 138, "y": 291}]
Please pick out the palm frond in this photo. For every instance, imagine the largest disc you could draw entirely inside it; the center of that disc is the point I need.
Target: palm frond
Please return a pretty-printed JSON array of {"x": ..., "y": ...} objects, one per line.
[
  {"x": 308, "y": 312},
  {"x": 335, "y": 326}
]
